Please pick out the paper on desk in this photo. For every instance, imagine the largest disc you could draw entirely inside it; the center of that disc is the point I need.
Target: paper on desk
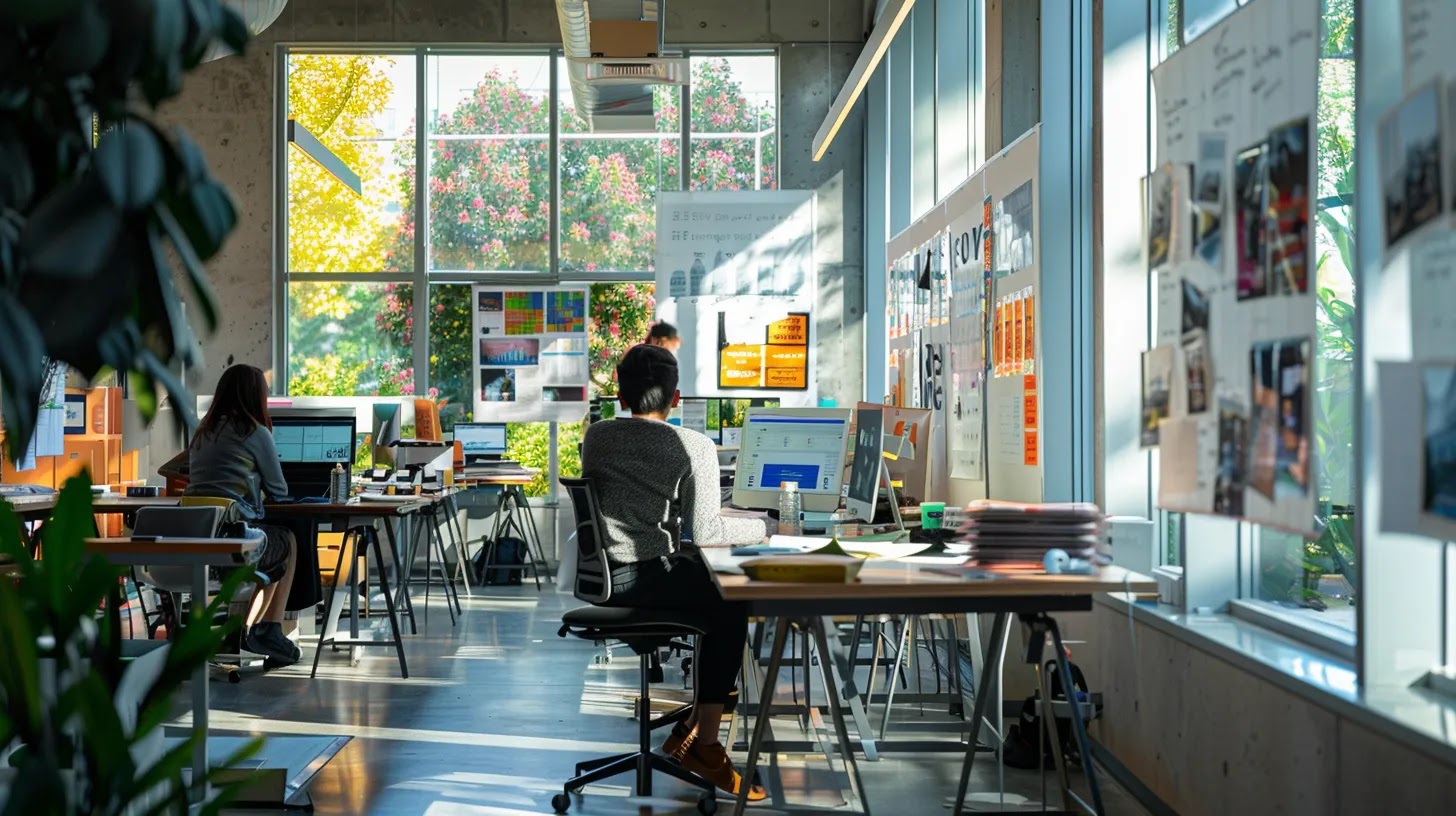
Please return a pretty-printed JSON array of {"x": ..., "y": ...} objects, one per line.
[{"x": 804, "y": 543}]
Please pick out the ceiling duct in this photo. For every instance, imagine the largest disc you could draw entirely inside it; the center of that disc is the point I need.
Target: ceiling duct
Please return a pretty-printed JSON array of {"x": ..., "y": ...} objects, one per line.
[{"x": 614, "y": 55}]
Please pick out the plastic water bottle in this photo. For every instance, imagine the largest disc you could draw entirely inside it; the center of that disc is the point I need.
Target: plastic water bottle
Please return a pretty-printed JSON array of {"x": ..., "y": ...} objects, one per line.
[
  {"x": 340, "y": 485},
  {"x": 790, "y": 521}
]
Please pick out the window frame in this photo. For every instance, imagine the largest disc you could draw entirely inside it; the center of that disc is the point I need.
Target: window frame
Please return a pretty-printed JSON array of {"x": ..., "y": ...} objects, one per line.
[{"x": 422, "y": 277}]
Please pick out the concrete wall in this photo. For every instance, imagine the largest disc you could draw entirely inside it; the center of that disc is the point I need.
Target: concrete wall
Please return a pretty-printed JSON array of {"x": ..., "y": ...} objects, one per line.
[
  {"x": 1208, "y": 737},
  {"x": 228, "y": 107}
]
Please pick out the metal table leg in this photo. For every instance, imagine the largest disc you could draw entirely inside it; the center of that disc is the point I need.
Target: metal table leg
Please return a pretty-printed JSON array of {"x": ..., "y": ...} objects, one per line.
[
  {"x": 760, "y": 723},
  {"x": 999, "y": 629},
  {"x": 849, "y": 691},
  {"x": 200, "y": 700},
  {"x": 836, "y": 713}
]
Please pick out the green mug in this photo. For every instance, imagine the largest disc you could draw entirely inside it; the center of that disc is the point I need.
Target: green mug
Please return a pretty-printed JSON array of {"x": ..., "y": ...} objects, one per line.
[{"x": 932, "y": 515}]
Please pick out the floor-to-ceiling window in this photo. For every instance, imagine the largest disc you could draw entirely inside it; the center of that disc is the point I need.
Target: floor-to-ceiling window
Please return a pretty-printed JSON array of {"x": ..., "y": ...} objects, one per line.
[{"x": 359, "y": 249}]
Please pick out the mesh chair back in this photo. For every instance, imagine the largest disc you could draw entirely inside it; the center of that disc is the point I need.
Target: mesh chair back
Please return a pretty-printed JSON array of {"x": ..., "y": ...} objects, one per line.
[
  {"x": 593, "y": 572},
  {"x": 175, "y": 522}
]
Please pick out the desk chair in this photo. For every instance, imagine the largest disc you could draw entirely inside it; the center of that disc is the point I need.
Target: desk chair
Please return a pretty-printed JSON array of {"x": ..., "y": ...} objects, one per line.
[
  {"x": 194, "y": 517},
  {"x": 645, "y": 632}
]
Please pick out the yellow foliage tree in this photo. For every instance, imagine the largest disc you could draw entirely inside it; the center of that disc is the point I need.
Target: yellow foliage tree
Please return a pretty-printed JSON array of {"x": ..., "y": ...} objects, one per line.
[{"x": 330, "y": 229}]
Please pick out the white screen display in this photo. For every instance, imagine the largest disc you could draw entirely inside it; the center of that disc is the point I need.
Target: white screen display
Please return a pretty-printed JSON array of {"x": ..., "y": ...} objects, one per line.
[
  {"x": 782, "y": 448},
  {"x": 314, "y": 441},
  {"x": 481, "y": 439}
]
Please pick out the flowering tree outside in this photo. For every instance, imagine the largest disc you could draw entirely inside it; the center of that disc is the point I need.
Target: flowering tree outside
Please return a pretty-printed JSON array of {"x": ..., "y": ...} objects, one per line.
[{"x": 490, "y": 210}]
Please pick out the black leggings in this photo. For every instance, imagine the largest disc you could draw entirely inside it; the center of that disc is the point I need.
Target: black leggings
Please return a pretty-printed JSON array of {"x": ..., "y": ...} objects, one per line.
[{"x": 687, "y": 585}]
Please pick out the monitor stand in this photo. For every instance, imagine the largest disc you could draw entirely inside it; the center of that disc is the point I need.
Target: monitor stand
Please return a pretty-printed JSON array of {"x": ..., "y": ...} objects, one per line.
[{"x": 890, "y": 492}]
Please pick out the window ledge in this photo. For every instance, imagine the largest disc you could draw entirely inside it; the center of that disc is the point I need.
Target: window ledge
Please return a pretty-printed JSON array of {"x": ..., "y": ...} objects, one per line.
[{"x": 1415, "y": 716}]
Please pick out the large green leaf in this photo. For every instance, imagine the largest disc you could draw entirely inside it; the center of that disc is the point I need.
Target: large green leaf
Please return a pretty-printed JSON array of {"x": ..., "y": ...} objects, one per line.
[
  {"x": 72, "y": 233},
  {"x": 206, "y": 301},
  {"x": 22, "y": 367},
  {"x": 129, "y": 163},
  {"x": 80, "y": 43}
]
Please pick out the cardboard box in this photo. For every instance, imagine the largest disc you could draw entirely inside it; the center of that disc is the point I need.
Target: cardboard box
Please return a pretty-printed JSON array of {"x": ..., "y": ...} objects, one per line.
[{"x": 619, "y": 39}]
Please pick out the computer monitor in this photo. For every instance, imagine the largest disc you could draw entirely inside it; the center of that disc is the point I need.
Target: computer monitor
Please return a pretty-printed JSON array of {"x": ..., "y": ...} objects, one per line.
[
  {"x": 309, "y": 446},
  {"x": 481, "y": 441},
  {"x": 804, "y": 445},
  {"x": 907, "y": 439},
  {"x": 864, "y": 474}
]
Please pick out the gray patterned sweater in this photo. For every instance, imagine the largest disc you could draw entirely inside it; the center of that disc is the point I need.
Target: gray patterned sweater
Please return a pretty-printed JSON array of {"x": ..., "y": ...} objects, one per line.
[{"x": 658, "y": 484}]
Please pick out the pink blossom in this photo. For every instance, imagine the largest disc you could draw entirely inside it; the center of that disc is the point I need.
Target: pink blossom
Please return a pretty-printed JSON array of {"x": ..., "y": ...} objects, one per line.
[
  {"x": 614, "y": 330},
  {"x": 631, "y": 291},
  {"x": 439, "y": 307},
  {"x": 464, "y": 217},
  {"x": 408, "y": 389},
  {"x": 478, "y": 203},
  {"x": 433, "y": 392}
]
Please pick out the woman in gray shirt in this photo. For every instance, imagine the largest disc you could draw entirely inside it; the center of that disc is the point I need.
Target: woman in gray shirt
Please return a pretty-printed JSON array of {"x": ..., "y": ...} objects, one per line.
[
  {"x": 658, "y": 486},
  {"x": 232, "y": 457}
]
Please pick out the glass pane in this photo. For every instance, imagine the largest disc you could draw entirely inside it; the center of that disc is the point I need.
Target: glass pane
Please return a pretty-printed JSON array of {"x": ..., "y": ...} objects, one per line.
[
  {"x": 353, "y": 121},
  {"x": 1320, "y": 574},
  {"x": 349, "y": 339},
  {"x": 609, "y": 184},
  {"x": 1201, "y": 15},
  {"x": 737, "y": 97},
  {"x": 490, "y": 162},
  {"x": 529, "y": 443},
  {"x": 621, "y": 316},
  {"x": 450, "y": 352}
]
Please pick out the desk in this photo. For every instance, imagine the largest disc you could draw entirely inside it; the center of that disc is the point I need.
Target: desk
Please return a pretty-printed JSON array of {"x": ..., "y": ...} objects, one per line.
[
  {"x": 888, "y": 587},
  {"x": 512, "y": 506},
  {"x": 199, "y": 554},
  {"x": 349, "y": 514}
]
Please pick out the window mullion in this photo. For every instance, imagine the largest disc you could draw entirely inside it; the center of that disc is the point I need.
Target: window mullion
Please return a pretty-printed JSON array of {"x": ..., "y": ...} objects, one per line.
[{"x": 420, "y": 339}]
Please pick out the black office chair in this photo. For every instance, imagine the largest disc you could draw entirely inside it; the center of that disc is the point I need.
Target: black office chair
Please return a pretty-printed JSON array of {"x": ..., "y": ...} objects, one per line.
[{"x": 646, "y": 632}]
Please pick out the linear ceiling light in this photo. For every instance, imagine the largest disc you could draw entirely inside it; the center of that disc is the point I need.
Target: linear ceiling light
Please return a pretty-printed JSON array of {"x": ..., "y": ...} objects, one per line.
[
  {"x": 303, "y": 139},
  {"x": 869, "y": 59}
]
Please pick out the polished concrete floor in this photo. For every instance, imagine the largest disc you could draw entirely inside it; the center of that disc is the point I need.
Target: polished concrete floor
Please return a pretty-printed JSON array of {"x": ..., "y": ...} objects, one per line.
[{"x": 498, "y": 709}]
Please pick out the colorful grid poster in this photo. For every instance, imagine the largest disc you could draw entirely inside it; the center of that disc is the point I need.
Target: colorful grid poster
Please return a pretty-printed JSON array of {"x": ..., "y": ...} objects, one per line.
[
  {"x": 531, "y": 354},
  {"x": 523, "y": 312},
  {"x": 566, "y": 312}
]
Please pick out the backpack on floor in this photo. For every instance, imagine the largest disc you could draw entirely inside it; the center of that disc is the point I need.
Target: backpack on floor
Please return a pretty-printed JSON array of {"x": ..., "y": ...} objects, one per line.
[
  {"x": 501, "y": 564},
  {"x": 1024, "y": 737}
]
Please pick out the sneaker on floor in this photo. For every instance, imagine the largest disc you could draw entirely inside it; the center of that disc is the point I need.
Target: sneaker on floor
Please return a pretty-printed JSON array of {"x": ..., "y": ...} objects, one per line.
[{"x": 267, "y": 639}]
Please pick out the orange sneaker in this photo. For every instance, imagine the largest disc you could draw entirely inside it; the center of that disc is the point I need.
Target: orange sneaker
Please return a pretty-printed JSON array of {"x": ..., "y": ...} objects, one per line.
[{"x": 712, "y": 763}]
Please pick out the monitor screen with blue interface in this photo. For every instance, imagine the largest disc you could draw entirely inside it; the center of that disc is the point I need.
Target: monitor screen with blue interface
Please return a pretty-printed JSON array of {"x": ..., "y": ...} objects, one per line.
[
  {"x": 314, "y": 439},
  {"x": 481, "y": 439},
  {"x": 803, "y": 445}
]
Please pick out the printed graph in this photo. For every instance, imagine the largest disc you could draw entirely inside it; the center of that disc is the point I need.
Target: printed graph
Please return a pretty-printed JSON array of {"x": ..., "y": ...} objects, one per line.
[{"x": 523, "y": 312}]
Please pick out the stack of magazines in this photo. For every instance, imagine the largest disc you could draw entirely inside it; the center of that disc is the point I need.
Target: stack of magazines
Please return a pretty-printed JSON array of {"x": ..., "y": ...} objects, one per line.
[{"x": 1011, "y": 535}]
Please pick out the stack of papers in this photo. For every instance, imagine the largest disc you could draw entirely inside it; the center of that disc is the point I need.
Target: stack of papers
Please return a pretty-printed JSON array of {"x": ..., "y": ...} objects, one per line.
[{"x": 1017, "y": 536}]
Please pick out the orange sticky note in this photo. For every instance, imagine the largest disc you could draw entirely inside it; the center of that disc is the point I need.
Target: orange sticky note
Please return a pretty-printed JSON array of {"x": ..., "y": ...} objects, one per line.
[
  {"x": 1019, "y": 324},
  {"x": 1030, "y": 454},
  {"x": 1028, "y": 337},
  {"x": 791, "y": 331},
  {"x": 740, "y": 366},
  {"x": 1028, "y": 410}
]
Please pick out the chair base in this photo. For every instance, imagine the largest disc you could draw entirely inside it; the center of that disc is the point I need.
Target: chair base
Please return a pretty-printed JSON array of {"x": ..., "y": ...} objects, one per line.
[{"x": 643, "y": 764}]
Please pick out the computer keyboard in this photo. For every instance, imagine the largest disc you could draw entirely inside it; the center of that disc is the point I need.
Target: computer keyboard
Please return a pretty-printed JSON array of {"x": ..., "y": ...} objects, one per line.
[{"x": 16, "y": 490}]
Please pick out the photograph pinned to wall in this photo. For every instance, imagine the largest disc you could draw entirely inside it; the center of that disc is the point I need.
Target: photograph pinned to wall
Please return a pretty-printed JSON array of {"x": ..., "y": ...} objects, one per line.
[
  {"x": 1410, "y": 164},
  {"x": 1208, "y": 195},
  {"x": 1198, "y": 368},
  {"x": 1157, "y": 391},
  {"x": 1286, "y": 230},
  {"x": 1249, "y": 196},
  {"x": 490, "y": 313},
  {"x": 1012, "y": 223},
  {"x": 1008, "y": 336},
  {"x": 524, "y": 351},
  {"x": 1158, "y": 207},
  {"x": 1018, "y": 332},
  {"x": 1233, "y": 459},
  {"x": 75, "y": 416},
  {"x": 563, "y": 393},
  {"x": 1280, "y": 456},
  {"x": 1438, "y": 449},
  {"x": 1195, "y": 308},
  {"x": 563, "y": 360},
  {"x": 497, "y": 385}
]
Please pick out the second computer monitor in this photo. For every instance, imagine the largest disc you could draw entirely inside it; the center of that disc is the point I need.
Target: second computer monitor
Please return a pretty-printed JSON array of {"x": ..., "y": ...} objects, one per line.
[
  {"x": 480, "y": 441},
  {"x": 803, "y": 445},
  {"x": 864, "y": 474}
]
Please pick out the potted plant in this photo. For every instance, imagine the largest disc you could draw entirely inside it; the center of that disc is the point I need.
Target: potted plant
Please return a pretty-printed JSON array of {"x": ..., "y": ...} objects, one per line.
[
  {"x": 80, "y": 723},
  {"x": 101, "y": 207}
]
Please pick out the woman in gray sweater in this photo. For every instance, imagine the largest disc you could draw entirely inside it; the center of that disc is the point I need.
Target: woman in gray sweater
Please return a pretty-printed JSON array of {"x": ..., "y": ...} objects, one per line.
[
  {"x": 232, "y": 456},
  {"x": 658, "y": 486}
]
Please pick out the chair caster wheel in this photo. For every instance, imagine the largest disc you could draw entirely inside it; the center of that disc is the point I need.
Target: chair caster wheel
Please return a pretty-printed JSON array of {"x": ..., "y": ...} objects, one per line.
[
  {"x": 234, "y": 676},
  {"x": 560, "y": 802},
  {"x": 707, "y": 804}
]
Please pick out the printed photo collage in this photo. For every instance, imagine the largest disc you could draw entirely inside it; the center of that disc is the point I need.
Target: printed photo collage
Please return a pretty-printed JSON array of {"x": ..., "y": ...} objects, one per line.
[
  {"x": 1417, "y": 148},
  {"x": 535, "y": 335},
  {"x": 1262, "y": 193}
]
